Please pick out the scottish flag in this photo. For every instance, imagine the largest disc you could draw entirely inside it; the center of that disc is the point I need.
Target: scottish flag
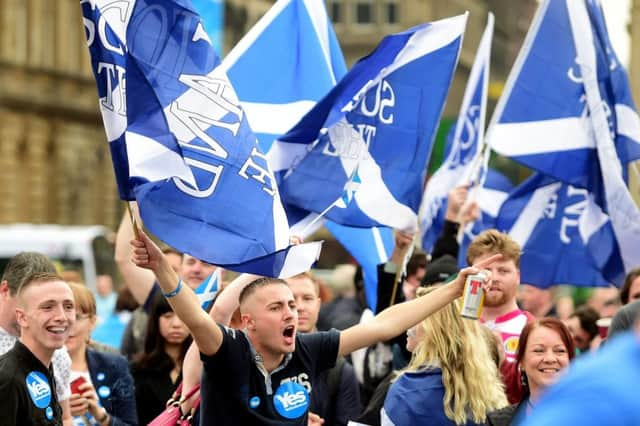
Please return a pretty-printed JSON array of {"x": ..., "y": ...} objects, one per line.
[
  {"x": 564, "y": 235},
  {"x": 380, "y": 118},
  {"x": 288, "y": 61},
  {"x": 578, "y": 124},
  {"x": 464, "y": 145},
  {"x": 543, "y": 119},
  {"x": 180, "y": 141},
  {"x": 207, "y": 291},
  {"x": 299, "y": 58}
]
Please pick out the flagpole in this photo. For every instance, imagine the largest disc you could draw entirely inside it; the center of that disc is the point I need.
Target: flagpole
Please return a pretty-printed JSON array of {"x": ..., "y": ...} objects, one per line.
[
  {"x": 401, "y": 270},
  {"x": 134, "y": 222}
]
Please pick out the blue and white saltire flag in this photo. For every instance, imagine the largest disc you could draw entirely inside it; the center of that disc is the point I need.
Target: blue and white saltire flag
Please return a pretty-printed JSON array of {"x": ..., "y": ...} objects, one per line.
[
  {"x": 578, "y": 124},
  {"x": 287, "y": 62},
  {"x": 180, "y": 141},
  {"x": 464, "y": 145},
  {"x": 381, "y": 119},
  {"x": 208, "y": 289},
  {"x": 299, "y": 58},
  {"x": 544, "y": 110},
  {"x": 564, "y": 235}
]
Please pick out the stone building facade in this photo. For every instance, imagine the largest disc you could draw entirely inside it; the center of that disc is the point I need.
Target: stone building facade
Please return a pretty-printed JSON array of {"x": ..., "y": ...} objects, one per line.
[{"x": 55, "y": 165}]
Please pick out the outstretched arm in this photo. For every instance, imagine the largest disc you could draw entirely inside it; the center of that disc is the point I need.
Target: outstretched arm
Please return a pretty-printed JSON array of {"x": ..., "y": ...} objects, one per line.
[
  {"x": 139, "y": 281},
  {"x": 398, "y": 318},
  {"x": 184, "y": 303}
]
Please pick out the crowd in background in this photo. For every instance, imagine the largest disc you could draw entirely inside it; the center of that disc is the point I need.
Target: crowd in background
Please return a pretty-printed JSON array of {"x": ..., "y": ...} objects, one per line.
[{"x": 128, "y": 352}]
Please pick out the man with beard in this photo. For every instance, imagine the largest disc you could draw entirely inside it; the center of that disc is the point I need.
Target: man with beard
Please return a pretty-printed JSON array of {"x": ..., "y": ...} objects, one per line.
[{"x": 501, "y": 312}]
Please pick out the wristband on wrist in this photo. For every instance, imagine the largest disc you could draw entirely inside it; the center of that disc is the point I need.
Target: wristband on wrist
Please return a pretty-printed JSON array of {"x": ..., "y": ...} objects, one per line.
[
  {"x": 104, "y": 417},
  {"x": 175, "y": 291}
]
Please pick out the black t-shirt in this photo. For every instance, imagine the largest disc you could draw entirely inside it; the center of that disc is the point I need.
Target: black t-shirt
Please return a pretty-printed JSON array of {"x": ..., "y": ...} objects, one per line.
[
  {"x": 27, "y": 395},
  {"x": 237, "y": 390}
]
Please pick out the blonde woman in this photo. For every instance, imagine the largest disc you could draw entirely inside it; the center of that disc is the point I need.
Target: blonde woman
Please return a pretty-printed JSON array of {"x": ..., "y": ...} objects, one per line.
[{"x": 452, "y": 377}]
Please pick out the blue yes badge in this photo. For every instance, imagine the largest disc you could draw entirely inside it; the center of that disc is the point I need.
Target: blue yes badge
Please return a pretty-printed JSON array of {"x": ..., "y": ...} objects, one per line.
[
  {"x": 39, "y": 389},
  {"x": 104, "y": 391},
  {"x": 291, "y": 400}
]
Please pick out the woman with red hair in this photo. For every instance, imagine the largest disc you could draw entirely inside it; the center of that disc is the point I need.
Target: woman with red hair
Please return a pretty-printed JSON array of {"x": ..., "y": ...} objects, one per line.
[{"x": 545, "y": 350}]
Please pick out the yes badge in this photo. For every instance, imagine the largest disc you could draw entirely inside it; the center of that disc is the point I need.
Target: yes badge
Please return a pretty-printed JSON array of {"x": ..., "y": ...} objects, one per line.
[
  {"x": 39, "y": 389},
  {"x": 291, "y": 400}
]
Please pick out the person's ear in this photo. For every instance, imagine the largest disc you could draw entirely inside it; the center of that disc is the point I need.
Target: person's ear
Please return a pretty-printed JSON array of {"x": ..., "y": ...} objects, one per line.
[
  {"x": 21, "y": 317},
  {"x": 4, "y": 289}
]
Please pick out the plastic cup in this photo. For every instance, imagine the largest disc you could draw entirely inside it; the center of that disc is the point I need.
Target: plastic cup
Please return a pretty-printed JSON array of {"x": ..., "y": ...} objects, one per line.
[{"x": 603, "y": 326}]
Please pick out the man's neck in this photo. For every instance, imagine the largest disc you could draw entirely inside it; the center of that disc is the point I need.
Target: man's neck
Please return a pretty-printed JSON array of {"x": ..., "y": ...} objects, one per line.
[
  {"x": 10, "y": 327},
  {"x": 490, "y": 313},
  {"x": 270, "y": 359},
  {"x": 43, "y": 354}
]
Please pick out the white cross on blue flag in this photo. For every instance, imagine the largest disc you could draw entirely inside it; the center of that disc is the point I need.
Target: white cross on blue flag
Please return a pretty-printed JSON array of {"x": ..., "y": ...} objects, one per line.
[
  {"x": 381, "y": 119},
  {"x": 577, "y": 125},
  {"x": 180, "y": 141}
]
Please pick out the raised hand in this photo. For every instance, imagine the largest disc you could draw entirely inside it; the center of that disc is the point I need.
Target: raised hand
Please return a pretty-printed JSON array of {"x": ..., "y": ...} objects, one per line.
[
  {"x": 458, "y": 283},
  {"x": 146, "y": 253}
]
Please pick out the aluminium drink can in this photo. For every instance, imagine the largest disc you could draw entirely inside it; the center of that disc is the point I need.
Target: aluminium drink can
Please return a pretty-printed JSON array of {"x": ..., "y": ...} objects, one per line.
[{"x": 472, "y": 296}]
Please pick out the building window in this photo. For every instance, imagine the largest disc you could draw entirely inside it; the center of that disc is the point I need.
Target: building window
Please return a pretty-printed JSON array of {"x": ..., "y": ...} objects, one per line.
[
  {"x": 335, "y": 11},
  {"x": 391, "y": 12},
  {"x": 364, "y": 12}
]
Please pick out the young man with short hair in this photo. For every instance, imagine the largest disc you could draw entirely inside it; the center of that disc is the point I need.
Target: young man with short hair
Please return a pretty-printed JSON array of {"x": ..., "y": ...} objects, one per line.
[
  {"x": 252, "y": 376},
  {"x": 335, "y": 398},
  {"x": 19, "y": 267},
  {"x": 45, "y": 312}
]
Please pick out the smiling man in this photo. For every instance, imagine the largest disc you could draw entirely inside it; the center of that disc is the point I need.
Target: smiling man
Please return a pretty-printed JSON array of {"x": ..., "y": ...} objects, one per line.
[
  {"x": 45, "y": 312},
  {"x": 254, "y": 376}
]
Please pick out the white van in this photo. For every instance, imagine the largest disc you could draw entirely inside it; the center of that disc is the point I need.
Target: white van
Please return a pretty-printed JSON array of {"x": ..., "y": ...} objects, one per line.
[{"x": 85, "y": 249}]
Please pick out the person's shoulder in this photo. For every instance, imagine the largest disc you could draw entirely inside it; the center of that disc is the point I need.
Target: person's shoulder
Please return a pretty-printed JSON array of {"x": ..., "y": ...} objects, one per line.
[
  {"x": 419, "y": 380},
  {"x": 110, "y": 359}
]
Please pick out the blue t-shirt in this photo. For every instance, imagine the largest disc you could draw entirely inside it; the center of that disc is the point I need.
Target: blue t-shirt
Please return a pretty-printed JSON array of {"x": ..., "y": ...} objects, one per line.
[{"x": 599, "y": 389}]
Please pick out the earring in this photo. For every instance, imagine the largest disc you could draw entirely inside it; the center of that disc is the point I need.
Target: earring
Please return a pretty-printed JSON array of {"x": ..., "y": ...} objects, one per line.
[{"x": 523, "y": 378}]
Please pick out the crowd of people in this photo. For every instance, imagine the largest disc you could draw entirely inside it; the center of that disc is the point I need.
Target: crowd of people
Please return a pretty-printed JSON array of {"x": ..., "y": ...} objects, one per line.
[{"x": 283, "y": 352}]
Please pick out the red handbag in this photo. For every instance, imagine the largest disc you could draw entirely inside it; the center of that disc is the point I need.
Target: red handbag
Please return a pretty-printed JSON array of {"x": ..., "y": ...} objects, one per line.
[{"x": 172, "y": 414}]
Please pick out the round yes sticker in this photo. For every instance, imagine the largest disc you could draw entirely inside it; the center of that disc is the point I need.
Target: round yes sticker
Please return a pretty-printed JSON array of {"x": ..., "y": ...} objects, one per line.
[
  {"x": 39, "y": 389},
  {"x": 254, "y": 402},
  {"x": 104, "y": 391},
  {"x": 291, "y": 400}
]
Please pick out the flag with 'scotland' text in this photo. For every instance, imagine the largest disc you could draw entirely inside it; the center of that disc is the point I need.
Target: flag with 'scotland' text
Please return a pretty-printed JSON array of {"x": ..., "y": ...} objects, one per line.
[
  {"x": 180, "y": 141},
  {"x": 381, "y": 119}
]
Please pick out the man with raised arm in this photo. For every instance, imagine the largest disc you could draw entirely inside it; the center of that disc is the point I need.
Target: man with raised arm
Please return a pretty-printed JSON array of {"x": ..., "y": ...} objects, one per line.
[{"x": 252, "y": 376}]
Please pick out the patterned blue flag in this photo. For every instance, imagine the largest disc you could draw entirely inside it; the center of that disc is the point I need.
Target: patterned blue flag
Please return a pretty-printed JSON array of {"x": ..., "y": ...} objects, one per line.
[
  {"x": 545, "y": 123},
  {"x": 380, "y": 118},
  {"x": 464, "y": 145},
  {"x": 296, "y": 39},
  {"x": 180, "y": 141},
  {"x": 564, "y": 235},
  {"x": 578, "y": 125}
]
